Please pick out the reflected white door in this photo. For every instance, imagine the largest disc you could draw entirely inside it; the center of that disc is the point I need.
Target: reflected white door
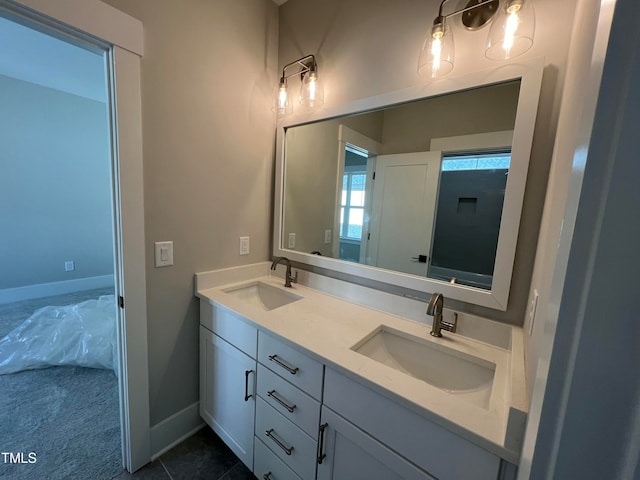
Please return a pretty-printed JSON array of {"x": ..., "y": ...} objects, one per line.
[{"x": 405, "y": 191}]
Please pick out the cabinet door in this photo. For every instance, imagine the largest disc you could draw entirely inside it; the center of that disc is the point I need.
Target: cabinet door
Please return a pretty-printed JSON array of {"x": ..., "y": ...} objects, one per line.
[
  {"x": 227, "y": 393},
  {"x": 347, "y": 452}
]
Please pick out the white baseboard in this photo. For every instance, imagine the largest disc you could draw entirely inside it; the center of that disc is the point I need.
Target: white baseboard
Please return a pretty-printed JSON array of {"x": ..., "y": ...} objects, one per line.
[
  {"x": 173, "y": 430},
  {"x": 41, "y": 290}
]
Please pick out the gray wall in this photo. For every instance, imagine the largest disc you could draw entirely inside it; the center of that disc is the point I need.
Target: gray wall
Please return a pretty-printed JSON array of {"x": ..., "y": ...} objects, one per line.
[
  {"x": 410, "y": 128},
  {"x": 312, "y": 153},
  {"x": 366, "y": 48},
  {"x": 208, "y": 136},
  {"x": 55, "y": 186}
]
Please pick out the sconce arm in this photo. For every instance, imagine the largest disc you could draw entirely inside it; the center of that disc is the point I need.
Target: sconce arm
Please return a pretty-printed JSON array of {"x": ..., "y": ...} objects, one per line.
[
  {"x": 304, "y": 63},
  {"x": 466, "y": 9}
]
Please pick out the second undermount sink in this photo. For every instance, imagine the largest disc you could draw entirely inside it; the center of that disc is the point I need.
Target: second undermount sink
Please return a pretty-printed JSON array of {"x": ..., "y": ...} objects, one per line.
[
  {"x": 442, "y": 367},
  {"x": 263, "y": 295}
]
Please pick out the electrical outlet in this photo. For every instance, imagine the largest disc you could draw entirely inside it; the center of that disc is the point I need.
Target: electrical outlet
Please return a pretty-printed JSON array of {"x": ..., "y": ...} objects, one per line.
[
  {"x": 532, "y": 310},
  {"x": 292, "y": 241},
  {"x": 244, "y": 246},
  {"x": 69, "y": 266},
  {"x": 327, "y": 237},
  {"x": 163, "y": 254}
]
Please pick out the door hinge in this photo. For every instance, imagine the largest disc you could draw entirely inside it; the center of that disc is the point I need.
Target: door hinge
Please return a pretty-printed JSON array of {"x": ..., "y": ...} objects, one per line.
[
  {"x": 368, "y": 236},
  {"x": 120, "y": 301},
  {"x": 374, "y": 176}
]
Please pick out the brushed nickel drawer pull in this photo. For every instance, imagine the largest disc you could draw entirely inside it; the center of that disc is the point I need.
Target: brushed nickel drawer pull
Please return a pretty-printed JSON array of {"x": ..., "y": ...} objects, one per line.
[
  {"x": 292, "y": 371},
  {"x": 272, "y": 394},
  {"x": 246, "y": 385},
  {"x": 287, "y": 450}
]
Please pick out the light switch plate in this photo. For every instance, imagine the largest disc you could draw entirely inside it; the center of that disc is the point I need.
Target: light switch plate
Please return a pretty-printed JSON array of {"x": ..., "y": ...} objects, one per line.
[
  {"x": 244, "y": 246},
  {"x": 292, "y": 241},
  {"x": 163, "y": 254},
  {"x": 69, "y": 266},
  {"x": 327, "y": 237}
]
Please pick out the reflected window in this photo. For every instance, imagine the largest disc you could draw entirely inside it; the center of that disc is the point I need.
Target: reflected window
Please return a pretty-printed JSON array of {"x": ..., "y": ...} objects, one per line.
[
  {"x": 353, "y": 195},
  {"x": 352, "y": 208},
  {"x": 484, "y": 161}
]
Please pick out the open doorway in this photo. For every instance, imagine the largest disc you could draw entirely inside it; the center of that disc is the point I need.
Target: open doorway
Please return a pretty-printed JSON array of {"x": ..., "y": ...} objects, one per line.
[{"x": 57, "y": 290}]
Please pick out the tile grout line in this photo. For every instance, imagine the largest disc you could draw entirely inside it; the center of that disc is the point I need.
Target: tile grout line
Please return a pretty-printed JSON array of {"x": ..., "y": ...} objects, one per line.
[
  {"x": 165, "y": 468},
  {"x": 228, "y": 471}
]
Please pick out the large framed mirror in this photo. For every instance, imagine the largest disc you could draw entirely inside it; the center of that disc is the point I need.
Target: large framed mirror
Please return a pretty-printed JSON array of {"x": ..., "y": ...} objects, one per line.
[{"x": 420, "y": 188}]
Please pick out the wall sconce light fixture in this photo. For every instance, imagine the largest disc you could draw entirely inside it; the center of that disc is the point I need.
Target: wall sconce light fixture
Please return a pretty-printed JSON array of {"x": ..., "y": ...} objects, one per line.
[
  {"x": 511, "y": 33},
  {"x": 311, "y": 92}
]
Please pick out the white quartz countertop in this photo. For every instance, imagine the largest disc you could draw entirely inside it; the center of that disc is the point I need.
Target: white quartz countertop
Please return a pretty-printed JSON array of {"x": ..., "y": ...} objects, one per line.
[{"x": 327, "y": 327}]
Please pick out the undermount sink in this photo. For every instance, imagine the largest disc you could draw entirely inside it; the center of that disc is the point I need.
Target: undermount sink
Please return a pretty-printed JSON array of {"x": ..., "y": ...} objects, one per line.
[
  {"x": 444, "y": 368},
  {"x": 262, "y": 295}
]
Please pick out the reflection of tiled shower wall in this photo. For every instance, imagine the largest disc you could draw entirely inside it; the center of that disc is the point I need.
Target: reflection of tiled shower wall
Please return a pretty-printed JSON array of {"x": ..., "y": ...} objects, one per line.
[{"x": 468, "y": 220}]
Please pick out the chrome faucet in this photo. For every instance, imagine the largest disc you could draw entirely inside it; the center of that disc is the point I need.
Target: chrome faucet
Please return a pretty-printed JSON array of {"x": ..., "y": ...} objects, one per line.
[
  {"x": 287, "y": 276},
  {"x": 434, "y": 308}
]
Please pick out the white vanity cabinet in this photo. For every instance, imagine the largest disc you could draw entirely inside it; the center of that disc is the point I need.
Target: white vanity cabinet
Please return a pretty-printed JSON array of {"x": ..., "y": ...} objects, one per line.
[
  {"x": 288, "y": 411},
  {"x": 227, "y": 378},
  {"x": 347, "y": 452},
  {"x": 385, "y": 423},
  {"x": 288, "y": 416}
]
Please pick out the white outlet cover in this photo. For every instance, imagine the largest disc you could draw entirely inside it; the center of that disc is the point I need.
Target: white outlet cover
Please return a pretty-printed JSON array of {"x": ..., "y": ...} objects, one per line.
[
  {"x": 292, "y": 241},
  {"x": 244, "y": 246},
  {"x": 327, "y": 237},
  {"x": 69, "y": 266}
]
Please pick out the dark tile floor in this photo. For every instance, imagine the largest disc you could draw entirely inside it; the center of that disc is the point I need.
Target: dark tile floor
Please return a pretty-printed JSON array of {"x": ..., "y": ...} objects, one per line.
[{"x": 202, "y": 456}]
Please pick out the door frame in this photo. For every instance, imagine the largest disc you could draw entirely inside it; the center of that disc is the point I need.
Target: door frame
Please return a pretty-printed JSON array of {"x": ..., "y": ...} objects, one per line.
[
  {"x": 103, "y": 25},
  {"x": 347, "y": 136}
]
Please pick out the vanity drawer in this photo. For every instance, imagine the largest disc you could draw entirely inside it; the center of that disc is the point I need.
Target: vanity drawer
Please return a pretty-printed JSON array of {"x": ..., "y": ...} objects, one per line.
[
  {"x": 290, "y": 401},
  {"x": 296, "y": 367},
  {"x": 267, "y": 466},
  {"x": 234, "y": 328},
  {"x": 434, "y": 449},
  {"x": 288, "y": 442}
]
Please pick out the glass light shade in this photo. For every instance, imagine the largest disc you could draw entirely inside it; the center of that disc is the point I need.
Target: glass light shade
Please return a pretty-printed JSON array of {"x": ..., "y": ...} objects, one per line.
[
  {"x": 436, "y": 56},
  {"x": 282, "y": 104},
  {"x": 512, "y": 30},
  {"x": 311, "y": 91}
]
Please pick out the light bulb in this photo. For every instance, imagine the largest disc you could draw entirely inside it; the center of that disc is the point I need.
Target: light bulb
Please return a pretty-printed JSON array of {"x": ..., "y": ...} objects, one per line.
[
  {"x": 312, "y": 86},
  {"x": 311, "y": 91},
  {"x": 511, "y": 27},
  {"x": 436, "y": 56},
  {"x": 282, "y": 97},
  {"x": 281, "y": 103},
  {"x": 436, "y": 52},
  {"x": 512, "y": 30}
]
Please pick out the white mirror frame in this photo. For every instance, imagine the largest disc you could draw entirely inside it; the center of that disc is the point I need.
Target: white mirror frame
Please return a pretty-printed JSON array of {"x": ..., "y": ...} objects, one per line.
[{"x": 530, "y": 75}]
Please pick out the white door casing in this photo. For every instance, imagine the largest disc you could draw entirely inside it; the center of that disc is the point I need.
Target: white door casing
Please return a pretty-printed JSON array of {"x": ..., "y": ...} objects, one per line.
[{"x": 98, "y": 22}]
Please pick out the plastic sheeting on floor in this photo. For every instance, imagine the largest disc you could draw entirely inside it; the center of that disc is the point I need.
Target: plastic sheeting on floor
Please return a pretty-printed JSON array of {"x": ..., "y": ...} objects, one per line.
[{"x": 83, "y": 334}]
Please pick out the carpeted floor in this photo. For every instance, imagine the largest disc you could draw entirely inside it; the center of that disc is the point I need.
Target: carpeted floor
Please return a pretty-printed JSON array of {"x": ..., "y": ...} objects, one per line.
[{"x": 68, "y": 416}]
